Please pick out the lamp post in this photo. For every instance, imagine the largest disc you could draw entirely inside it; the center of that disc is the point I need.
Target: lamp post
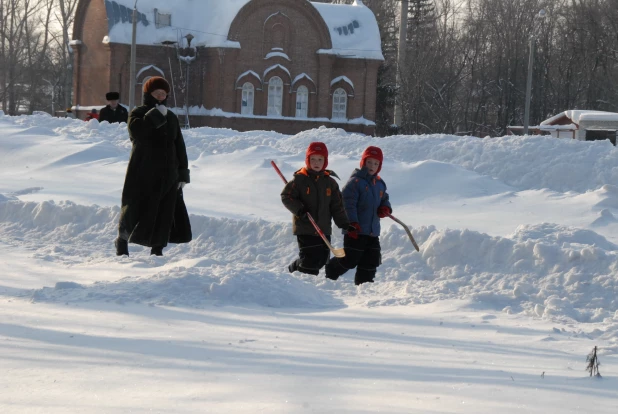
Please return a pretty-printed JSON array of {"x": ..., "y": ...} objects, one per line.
[
  {"x": 132, "y": 64},
  {"x": 53, "y": 88},
  {"x": 541, "y": 15},
  {"x": 401, "y": 62},
  {"x": 189, "y": 38}
]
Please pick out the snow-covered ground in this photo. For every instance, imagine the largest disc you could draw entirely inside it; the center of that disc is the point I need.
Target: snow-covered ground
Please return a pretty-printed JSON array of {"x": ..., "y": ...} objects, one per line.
[{"x": 514, "y": 285}]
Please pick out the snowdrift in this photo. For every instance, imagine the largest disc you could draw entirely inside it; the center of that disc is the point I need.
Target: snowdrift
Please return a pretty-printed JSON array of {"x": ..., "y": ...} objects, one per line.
[{"x": 545, "y": 269}]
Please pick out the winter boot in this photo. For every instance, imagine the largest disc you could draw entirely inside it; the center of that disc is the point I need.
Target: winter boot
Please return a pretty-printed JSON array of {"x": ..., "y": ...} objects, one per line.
[
  {"x": 156, "y": 250},
  {"x": 331, "y": 277},
  {"x": 293, "y": 267},
  {"x": 122, "y": 247}
]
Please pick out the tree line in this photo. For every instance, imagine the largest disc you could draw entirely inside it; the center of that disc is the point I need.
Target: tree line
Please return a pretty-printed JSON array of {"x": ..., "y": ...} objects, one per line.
[
  {"x": 467, "y": 62},
  {"x": 35, "y": 55},
  {"x": 465, "y": 69}
]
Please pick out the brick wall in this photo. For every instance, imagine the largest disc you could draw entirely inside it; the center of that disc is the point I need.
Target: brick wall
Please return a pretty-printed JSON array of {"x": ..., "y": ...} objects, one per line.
[{"x": 91, "y": 61}]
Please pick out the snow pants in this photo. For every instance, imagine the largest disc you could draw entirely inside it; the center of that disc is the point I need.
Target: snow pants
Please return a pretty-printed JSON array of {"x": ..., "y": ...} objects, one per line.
[
  {"x": 312, "y": 256},
  {"x": 363, "y": 253}
]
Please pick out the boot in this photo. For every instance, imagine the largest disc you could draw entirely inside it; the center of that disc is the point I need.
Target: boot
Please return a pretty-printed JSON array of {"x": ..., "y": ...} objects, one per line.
[
  {"x": 156, "y": 250},
  {"x": 331, "y": 277},
  {"x": 293, "y": 267},
  {"x": 122, "y": 247}
]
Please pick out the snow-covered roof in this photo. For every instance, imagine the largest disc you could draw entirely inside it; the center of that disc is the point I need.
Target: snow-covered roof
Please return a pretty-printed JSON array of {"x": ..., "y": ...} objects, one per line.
[
  {"x": 353, "y": 28},
  {"x": 569, "y": 127},
  {"x": 208, "y": 21},
  {"x": 578, "y": 115},
  {"x": 599, "y": 116}
]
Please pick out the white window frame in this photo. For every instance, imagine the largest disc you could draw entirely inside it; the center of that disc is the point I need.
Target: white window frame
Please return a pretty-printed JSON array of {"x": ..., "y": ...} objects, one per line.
[
  {"x": 248, "y": 97},
  {"x": 162, "y": 19},
  {"x": 275, "y": 97},
  {"x": 302, "y": 102},
  {"x": 340, "y": 104}
]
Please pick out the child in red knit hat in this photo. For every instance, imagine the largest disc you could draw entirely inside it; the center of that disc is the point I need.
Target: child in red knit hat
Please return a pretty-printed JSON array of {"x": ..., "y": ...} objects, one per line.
[
  {"x": 313, "y": 190},
  {"x": 366, "y": 202}
]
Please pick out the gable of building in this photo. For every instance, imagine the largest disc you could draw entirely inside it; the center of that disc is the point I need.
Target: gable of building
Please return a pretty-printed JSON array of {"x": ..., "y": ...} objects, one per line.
[{"x": 353, "y": 29}]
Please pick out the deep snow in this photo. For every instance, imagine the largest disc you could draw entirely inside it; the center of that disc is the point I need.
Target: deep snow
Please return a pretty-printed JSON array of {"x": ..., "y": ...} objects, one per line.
[{"x": 516, "y": 275}]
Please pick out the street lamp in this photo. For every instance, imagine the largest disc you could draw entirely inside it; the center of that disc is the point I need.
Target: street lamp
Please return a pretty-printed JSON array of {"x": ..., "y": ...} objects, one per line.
[
  {"x": 541, "y": 15},
  {"x": 132, "y": 65},
  {"x": 53, "y": 89},
  {"x": 188, "y": 60},
  {"x": 401, "y": 62}
]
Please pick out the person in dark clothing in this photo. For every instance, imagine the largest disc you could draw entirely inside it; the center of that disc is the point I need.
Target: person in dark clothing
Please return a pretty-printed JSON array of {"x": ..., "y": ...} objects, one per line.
[
  {"x": 93, "y": 114},
  {"x": 113, "y": 112},
  {"x": 153, "y": 212},
  {"x": 366, "y": 202},
  {"x": 313, "y": 190}
]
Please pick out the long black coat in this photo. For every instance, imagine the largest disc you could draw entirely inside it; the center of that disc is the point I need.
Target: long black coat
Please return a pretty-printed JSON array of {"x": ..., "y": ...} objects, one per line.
[
  {"x": 111, "y": 116},
  {"x": 153, "y": 211}
]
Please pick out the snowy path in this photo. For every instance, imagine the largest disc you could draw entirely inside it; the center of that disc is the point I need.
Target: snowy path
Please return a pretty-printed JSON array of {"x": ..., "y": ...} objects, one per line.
[{"x": 431, "y": 358}]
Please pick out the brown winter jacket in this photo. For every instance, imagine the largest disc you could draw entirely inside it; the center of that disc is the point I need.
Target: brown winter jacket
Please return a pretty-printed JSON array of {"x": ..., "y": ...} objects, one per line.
[{"x": 319, "y": 193}]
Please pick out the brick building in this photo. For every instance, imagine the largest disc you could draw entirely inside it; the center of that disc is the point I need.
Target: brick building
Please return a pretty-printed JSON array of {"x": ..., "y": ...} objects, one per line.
[{"x": 282, "y": 65}]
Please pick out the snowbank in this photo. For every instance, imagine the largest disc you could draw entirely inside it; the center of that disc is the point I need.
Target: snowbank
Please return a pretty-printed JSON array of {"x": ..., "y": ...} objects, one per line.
[
  {"x": 521, "y": 162},
  {"x": 546, "y": 271}
]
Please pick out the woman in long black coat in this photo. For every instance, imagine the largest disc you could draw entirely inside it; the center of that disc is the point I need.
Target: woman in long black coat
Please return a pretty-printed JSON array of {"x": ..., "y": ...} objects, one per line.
[{"x": 153, "y": 211}]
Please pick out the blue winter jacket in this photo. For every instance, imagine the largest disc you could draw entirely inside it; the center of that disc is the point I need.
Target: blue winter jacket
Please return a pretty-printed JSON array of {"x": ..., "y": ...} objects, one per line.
[{"x": 362, "y": 195}]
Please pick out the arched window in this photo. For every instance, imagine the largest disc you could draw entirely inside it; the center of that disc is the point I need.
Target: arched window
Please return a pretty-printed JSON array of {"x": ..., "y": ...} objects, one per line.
[
  {"x": 246, "y": 106},
  {"x": 302, "y": 102},
  {"x": 275, "y": 96},
  {"x": 340, "y": 104}
]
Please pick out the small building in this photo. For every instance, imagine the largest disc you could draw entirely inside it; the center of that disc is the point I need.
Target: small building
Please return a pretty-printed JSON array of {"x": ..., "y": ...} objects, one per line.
[
  {"x": 282, "y": 65},
  {"x": 583, "y": 125}
]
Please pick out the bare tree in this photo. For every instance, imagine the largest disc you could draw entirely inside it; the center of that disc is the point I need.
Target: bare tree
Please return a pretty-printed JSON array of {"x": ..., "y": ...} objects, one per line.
[
  {"x": 16, "y": 14},
  {"x": 65, "y": 17},
  {"x": 37, "y": 58}
]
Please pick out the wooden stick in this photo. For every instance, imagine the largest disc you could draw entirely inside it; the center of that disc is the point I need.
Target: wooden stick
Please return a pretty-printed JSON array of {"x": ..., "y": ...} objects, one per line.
[{"x": 407, "y": 231}]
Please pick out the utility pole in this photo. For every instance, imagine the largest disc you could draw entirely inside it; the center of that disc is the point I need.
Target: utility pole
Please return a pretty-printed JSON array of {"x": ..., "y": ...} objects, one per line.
[
  {"x": 529, "y": 86},
  {"x": 541, "y": 15},
  {"x": 132, "y": 64},
  {"x": 189, "y": 38},
  {"x": 401, "y": 61}
]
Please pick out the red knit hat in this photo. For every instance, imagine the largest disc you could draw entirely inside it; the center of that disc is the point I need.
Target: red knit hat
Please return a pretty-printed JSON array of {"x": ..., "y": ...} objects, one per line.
[
  {"x": 372, "y": 152},
  {"x": 317, "y": 148},
  {"x": 154, "y": 83}
]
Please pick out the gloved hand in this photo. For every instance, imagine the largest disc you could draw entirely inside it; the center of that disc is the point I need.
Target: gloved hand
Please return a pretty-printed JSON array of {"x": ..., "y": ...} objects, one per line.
[
  {"x": 181, "y": 185},
  {"x": 384, "y": 211},
  {"x": 162, "y": 109},
  {"x": 302, "y": 213},
  {"x": 353, "y": 230}
]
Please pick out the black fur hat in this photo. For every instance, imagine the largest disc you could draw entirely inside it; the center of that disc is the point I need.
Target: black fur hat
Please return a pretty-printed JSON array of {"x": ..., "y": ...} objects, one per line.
[{"x": 112, "y": 96}]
